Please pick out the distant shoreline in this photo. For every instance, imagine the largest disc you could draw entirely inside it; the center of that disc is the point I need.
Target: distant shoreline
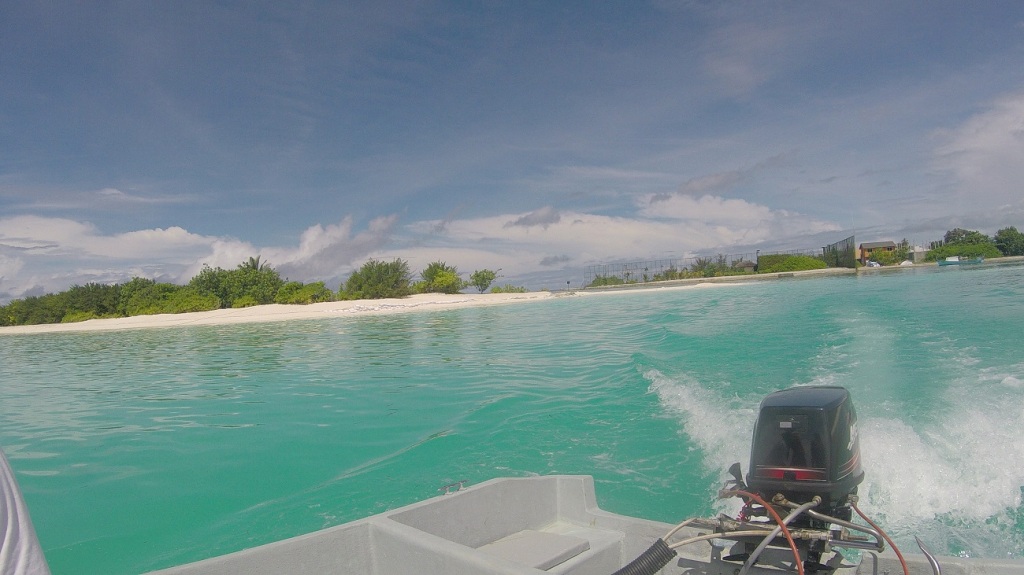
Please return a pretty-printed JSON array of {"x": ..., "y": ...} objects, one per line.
[{"x": 414, "y": 303}]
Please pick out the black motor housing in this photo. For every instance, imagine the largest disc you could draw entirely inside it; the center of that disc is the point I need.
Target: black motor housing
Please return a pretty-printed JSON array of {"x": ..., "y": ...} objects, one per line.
[{"x": 805, "y": 444}]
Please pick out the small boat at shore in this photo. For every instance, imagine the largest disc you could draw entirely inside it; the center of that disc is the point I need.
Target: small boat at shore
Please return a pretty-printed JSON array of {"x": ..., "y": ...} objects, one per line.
[
  {"x": 959, "y": 261},
  {"x": 797, "y": 512}
]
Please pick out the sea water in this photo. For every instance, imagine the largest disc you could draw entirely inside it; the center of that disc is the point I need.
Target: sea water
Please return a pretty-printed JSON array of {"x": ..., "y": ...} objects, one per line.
[{"x": 148, "y": 448}]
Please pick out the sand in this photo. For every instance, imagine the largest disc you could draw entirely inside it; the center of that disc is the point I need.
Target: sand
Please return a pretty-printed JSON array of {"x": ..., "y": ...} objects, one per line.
[
  {"x": 279, "y": 312},
  {"x": 419, "y": 302}
]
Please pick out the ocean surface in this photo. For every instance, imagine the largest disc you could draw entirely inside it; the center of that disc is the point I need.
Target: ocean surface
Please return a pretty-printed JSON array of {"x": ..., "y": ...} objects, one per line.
[{"x": 145, "y": 449}]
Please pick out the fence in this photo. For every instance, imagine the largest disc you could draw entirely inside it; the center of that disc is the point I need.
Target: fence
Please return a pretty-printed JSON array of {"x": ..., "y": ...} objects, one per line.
[
  {"x": 643, "y": 271},
  {"x": 839, "y": 254}
]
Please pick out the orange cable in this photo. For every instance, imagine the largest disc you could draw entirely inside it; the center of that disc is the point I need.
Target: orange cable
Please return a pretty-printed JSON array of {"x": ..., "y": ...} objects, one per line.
[
  {"x": 906, "y": 571},
  {"x": 785, "y": 531}
]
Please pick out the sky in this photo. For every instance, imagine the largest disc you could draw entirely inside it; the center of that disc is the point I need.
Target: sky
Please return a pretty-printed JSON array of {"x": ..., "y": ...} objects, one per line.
[{"x": 149, "y": 139}]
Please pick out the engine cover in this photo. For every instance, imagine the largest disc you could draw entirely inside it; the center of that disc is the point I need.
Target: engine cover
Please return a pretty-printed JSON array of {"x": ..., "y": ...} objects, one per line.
[{"x": 806, "y": 443}]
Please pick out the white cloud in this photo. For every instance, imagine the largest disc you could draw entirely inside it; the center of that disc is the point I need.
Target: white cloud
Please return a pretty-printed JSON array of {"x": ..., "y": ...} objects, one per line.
[
  {"x": 985, "y": 155},
  {"x": 39, "y": 254},
  {"x": 680, "y": 224},
  {"x": 62, "y": 236}
]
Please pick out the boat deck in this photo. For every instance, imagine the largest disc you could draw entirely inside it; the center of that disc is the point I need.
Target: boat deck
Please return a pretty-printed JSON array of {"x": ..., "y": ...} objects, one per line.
[{"x": 525, "y": 526}]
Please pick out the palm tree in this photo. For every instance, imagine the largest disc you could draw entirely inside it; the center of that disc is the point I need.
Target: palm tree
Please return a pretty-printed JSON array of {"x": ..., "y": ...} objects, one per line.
[{"x": 254, "y": 264}]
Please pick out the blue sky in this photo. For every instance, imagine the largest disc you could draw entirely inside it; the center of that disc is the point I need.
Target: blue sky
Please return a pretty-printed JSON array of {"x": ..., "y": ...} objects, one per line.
[{"x": 149, "y": 138}]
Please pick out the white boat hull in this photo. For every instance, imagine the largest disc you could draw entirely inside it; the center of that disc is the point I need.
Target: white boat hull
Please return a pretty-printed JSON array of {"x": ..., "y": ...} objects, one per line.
[{"x": 525, "y": 526}]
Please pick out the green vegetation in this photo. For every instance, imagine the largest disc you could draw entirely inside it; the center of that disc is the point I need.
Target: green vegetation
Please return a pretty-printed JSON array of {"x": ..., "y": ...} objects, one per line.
[
  {"x": 251, "y": 283},
  {"x": 378, "y": 280},
  {"x": 601, "y": 281},
  {"x": 1009, "y": 241},
  {"x": 299, "y": 293},
  {"x": 508, "y": 289},
  {"x": 256, "y": 282},
  {"x": 482, "y": 279},
  {"x": 789, "y": 263},
  {"x": 703, "y": 267},
  {"x": 970, "y": 244},
  {"x": 439, "y": 277}
]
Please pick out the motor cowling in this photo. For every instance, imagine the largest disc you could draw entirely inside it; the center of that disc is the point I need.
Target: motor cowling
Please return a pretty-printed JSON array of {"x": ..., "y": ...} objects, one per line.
[{"x": 806, "y": 444}]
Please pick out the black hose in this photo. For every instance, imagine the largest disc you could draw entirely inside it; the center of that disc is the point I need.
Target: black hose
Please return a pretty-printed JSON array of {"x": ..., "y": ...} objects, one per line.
[{"x": 650, "y": 561}]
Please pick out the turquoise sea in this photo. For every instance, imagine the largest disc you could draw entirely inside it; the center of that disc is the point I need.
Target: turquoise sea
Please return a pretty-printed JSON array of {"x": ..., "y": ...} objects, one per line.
[{"x": 144, "y": 449}]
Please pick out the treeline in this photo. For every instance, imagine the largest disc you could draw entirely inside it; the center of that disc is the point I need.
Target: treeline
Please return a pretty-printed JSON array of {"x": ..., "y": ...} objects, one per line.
[
  {"x": 973, "y": 244},
  {"x": 252, "y": 283},
  {"x": 960, "y": 242},
  {"x": 718, "y": 266}
]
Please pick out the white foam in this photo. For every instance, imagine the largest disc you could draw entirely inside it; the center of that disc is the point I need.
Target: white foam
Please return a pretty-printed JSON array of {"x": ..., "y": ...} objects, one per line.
[
  {"x": 956, "y": 481},
  {"x": 720, "y": 427}
]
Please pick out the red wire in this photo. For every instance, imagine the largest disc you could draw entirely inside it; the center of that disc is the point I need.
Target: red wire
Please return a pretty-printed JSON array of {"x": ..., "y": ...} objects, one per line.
[
  {"x": 785, "y": 532},
  {"x": 884, "y": 536}
]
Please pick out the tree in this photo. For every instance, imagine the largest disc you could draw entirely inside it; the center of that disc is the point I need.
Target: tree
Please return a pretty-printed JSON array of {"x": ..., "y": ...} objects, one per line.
[
  {"x": 130, "y": 289},
  {"x": 259, "y": 282},
  {"x": 482, "y": 279},
  {"x": 378, "y": 279},
  {"x": 963, "y": 243},
  {"x": 254, "y": 264},
  {"x": 251, "y": 278},
  {"x": 150, "y": 299},
  {"x": 1010, "y": 242},
  {"x": 984, "y": 250},
  {"x": 211, "y": 281},
  {"x": 93, "y": 298},
  {"x": 703, "y": 267},
  {"x": 960, "y": 236},
  {"x": 439, "y": 277}
]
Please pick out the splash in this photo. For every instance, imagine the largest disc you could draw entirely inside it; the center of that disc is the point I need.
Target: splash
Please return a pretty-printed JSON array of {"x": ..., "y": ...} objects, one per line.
[{"x": 955, "y": 483}]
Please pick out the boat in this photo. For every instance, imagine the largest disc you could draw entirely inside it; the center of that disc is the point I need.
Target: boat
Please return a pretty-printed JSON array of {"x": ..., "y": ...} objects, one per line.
[
  {"x": 960, "y": 261},
  {"x": 805, "y": 460}
]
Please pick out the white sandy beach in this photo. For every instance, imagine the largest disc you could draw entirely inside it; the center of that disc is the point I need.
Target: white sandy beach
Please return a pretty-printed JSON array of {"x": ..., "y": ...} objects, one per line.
[
  {"x": 419, "y": 302},
  {"x": 279, "y": 312}
]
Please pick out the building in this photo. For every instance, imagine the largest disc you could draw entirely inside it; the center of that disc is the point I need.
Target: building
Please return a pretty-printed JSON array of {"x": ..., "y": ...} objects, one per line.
[{"x": 869, "y": 248}]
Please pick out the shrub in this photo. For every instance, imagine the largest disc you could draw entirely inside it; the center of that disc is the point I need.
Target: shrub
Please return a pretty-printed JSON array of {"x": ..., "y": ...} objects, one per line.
[
  {"x": 508, "y": 289},
  {"x": 378, "y": 279},
  {"x": 791, "y": 263},
  {"x": 600, "y": 281},
  {"x": 245, "y": 301},
  {"x": 439, "y": 277},
  {"x": 297, "y": 293},
  {"x": 77, "y": 316},
  {"x": 964, "y": 250}
]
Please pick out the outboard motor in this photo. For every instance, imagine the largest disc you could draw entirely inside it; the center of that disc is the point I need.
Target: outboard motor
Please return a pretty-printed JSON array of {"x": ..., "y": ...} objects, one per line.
[
  {"x": 806, "y": 444},
  {"x": 800, "y": 492}
]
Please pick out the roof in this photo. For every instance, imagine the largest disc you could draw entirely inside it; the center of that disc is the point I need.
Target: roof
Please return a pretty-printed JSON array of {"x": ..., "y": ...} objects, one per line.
[{"x": 873, "y": 245}]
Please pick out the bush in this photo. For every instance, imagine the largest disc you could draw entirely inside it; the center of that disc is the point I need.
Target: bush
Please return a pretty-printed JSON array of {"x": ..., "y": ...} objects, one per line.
[
  {"x": 245, "y": 301},
  {"x": 600, "y": 281},
  {"x": 789, "y": 263},
  {"x": 987, "y": 250},
  {"x": 439, "y": 277},
  {"x": 150, "y": 299},
  {"x": 377, "y": 280},
  {"x": 77, "y": 316},
  {"x": 297, "y": 293},
  {"x": 189, "y": 300},
  {"x": 508, "y": 289}
]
